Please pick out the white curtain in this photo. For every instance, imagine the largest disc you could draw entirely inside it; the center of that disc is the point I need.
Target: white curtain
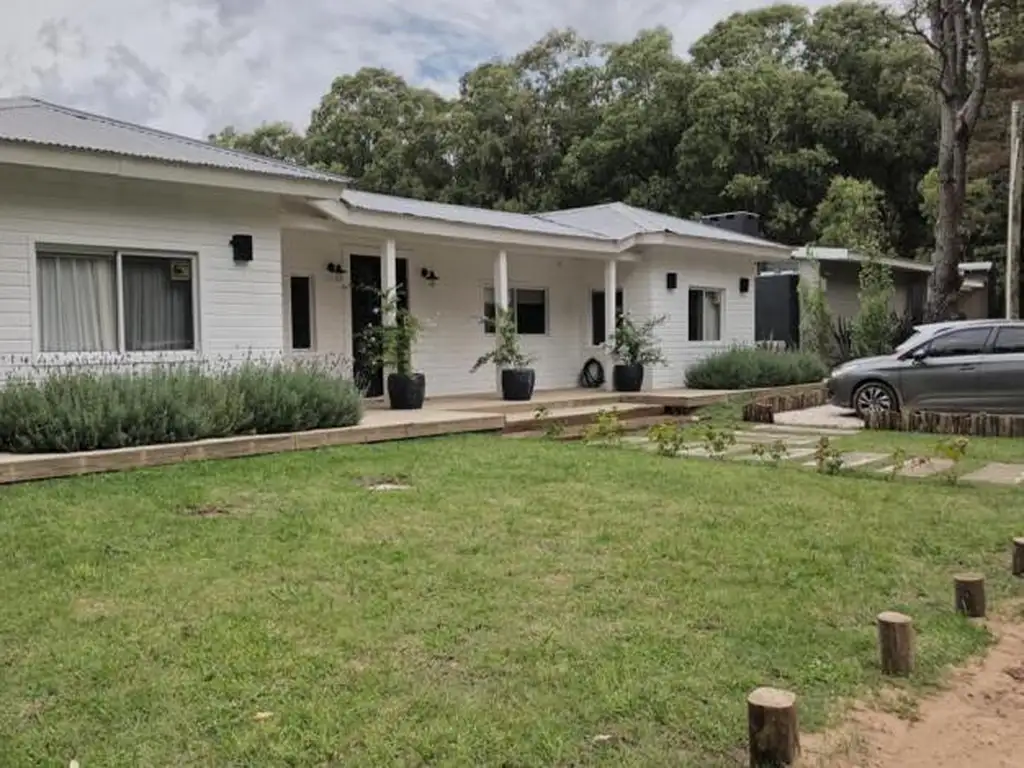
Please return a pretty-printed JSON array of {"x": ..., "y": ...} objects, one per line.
[
  {"x": 77, "y": 304},
  {"x": 712, "y": 316},
  {"x": 157, "y": 310}
]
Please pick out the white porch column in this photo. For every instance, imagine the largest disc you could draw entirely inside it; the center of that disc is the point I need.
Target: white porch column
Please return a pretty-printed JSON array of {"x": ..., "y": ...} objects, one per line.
[
  {"x": 388, "y": 276},
  {"x": 610, "y": 281},
  {"x": 500, "y": 299}
]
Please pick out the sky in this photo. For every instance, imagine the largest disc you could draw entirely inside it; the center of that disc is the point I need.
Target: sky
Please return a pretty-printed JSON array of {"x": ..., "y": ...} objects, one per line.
[{"x": 195, "y": 66}]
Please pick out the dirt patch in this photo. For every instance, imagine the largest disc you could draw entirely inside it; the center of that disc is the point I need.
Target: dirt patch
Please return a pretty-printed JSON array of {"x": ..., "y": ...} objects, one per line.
[
  {"x": 975, "y": 722},
  {"x": 206, "y": 510},
  {"x": 385, "y": 483}
]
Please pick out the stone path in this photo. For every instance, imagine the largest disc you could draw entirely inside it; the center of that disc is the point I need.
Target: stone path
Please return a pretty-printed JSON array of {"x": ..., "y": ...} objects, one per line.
[{"x": 800, "y": 445}]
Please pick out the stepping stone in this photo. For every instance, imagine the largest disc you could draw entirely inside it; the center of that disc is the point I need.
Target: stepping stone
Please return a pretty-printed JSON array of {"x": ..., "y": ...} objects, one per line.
[
  {"x": 803, "y": 431},
  {"x": 922, "y": 469},
  {"x": 855, "y": 459},
  {"x": 700, "y": 451},
  {"x": 796, "y": 453},
  {"x": 1001, "y": 474},
  {"x": 748, "y": 437}
]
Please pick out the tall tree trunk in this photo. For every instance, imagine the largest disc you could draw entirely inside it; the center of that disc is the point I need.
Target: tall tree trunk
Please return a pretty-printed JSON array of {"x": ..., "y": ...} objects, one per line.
[{"x": 957, "y": 36}]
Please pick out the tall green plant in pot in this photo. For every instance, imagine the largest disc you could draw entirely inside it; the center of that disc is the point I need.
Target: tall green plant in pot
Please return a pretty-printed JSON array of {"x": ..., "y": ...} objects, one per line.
[
  {"x": 517, "y": 378},
  {"x": 390, "y": 345},
  {"x": 634, "y": 346}
]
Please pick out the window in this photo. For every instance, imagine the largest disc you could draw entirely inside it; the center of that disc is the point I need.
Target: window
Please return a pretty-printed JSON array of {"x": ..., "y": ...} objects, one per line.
[
  {"x": 597, "y": 315},
  {"x": 1009, "y": 341},
  {"x": 529, "y": 306},
  {"x": 302, "y": 312},
  {"x": 114, "y": 302},
  {"x": 705, "y": 314},
  {"x": 970, "y": 341}
]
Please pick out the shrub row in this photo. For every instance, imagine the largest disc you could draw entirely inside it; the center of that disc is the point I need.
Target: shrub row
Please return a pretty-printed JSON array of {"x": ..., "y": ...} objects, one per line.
[
  {"x": 76, "y": 409},
  {"x": 751, "y": 367}
]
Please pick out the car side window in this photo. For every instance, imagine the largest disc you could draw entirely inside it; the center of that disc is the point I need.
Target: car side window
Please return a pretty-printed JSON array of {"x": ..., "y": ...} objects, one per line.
[
  {"x": 1009, "y": 341},
  {"x": 969, "y": 341}
]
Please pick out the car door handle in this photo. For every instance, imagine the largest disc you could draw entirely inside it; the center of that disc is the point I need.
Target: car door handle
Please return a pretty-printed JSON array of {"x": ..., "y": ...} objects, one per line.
[{"x": 966, "y": 368}]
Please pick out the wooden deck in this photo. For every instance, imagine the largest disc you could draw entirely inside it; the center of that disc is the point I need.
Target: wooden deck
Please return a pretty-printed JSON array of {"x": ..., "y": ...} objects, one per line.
[
  {"x": 580, "y": 398},
  {"x": 440, "y": 416},
  {"x": 377, "y": 426}
]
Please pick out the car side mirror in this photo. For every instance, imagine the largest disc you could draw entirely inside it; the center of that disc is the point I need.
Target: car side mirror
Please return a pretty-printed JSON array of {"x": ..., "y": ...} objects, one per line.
[{"x": 919, "y": 354}]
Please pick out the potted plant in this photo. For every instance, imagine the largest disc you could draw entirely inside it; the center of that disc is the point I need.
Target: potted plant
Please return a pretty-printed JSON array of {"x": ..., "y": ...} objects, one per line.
[
  {"x": 634, "y": 346},
  {"x": 517, "y": 378},
  {"x": 390, "y": 346}
]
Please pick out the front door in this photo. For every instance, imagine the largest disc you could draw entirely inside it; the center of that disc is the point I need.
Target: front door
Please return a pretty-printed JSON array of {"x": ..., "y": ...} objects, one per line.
[{"x": 364, "y": 278}]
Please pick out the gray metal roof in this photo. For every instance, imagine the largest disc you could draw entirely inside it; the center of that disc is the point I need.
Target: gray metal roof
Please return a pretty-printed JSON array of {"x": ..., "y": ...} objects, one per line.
[
  {"x": 618, "y": 220},
  {"x": 461, "y": 214},
  {"x": 33, "y": 121}
]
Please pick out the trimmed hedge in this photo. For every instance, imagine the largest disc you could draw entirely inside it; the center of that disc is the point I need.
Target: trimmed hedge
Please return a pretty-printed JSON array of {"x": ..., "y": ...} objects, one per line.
[
  {"x": 752, "y": 367},
  {"x": 81, "y": 409}
]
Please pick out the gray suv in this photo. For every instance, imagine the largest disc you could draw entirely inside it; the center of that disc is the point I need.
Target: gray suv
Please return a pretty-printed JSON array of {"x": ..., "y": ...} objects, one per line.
[{"x": 966, "y": 365}]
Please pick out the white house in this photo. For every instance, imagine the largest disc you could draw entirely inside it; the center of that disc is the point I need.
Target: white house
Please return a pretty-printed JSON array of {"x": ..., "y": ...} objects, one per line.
[{"x": 120, "y": 239}]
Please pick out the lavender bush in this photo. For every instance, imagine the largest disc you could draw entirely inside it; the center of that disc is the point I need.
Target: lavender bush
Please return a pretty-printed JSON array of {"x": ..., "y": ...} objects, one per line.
[{"x": 87, "y": 406}]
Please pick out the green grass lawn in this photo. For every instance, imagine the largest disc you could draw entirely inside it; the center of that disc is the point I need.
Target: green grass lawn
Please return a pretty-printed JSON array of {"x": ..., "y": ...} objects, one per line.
[
  {"x": 980, "y": 450},
  {"x": 523, "y": 598}
]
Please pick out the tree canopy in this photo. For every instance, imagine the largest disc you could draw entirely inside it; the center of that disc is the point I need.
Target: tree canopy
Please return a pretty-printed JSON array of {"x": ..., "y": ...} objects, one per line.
[{"x": 807, "y": 119}]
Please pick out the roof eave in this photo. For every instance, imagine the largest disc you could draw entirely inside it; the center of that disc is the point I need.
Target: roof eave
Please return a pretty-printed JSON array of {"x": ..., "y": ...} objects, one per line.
[
  {"x": 756, "y": 251},
  {"x": 499, "y": 236},
  {"x": 16, "y": 152}
]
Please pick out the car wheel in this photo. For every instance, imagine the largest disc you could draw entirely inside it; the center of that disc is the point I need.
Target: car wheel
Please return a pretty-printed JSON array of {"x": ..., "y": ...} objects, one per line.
[{"x": 874, "y": 396}]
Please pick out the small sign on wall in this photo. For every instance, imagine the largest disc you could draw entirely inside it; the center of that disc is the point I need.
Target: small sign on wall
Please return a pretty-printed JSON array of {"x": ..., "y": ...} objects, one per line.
[{"x": 181, "y": 271}]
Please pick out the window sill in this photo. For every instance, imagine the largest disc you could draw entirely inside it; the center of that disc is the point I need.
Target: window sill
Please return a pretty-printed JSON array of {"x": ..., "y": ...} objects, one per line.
[{"x": 61, "y": 359}]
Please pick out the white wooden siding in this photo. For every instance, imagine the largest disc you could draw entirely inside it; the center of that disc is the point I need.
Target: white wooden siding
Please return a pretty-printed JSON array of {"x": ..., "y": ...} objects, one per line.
[
  {"x": 696, "y": 269},
  {"x": 244, "y": 309},
  {"x": 239, "y": 305},
  {"x": 450, "y": 310}
]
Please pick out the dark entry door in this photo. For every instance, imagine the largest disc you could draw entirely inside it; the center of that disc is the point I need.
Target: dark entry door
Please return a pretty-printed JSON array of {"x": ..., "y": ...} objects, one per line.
[{"x": 364, "y": 277}]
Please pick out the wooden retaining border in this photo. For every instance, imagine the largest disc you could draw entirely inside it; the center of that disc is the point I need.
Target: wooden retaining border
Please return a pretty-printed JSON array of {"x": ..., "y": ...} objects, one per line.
[
  {"x": 16, "y": 468},
  {"x": 763, "y": 409},
  {"x": 971, "y": 424}
]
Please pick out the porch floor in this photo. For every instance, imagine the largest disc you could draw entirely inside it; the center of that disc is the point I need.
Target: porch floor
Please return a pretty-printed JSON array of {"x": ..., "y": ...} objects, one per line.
[{"x": 573, "y": 398}]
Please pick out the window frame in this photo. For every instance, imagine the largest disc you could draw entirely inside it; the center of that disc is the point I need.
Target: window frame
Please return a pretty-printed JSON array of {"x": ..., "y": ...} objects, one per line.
[
  {"x": 983, "y": 349},
  {"x": 513, "y": 303},
  {"x": 312, "y": 314},
  {"x": 994, "y": 340},
  {"x": 704, "y": 290},
  {"x": 84, "y": 249}
]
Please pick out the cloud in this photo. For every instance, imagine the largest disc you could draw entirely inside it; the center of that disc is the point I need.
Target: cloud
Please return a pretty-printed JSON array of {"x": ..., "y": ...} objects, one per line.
[{"x": 194, "y": 66}]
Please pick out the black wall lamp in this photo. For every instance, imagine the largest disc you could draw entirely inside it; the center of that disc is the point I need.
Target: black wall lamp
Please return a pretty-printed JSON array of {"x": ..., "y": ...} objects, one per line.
[
  {"x": 744, "y": 284},
  {"x": 429, "y": 275},
  {"x": 336, "y": 269},
  {"x": 241, "y": 248}
]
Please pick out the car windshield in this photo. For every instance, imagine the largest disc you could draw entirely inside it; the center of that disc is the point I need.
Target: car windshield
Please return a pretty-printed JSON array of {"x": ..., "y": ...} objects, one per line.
[{"x": 915, "y": 338}]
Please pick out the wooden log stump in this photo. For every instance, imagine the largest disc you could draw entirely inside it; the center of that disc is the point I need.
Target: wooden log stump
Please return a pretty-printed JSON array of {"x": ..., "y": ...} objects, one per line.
[
  {"x": 896, "y": 643},
  {"x": 969, "y": 594},
  {"x": 772, "y": 723},
  {"x": 1018, "y": 556}
]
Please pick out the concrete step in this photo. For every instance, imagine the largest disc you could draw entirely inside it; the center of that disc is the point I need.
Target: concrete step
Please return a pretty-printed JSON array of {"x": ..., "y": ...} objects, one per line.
[
  {"x": 630, "y": 427},
  {"x": 597, "y": 399}
]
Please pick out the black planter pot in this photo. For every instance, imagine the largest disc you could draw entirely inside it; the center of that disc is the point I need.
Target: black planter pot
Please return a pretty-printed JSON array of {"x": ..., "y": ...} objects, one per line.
[
  {"x": 628, "y": 378},
  {"x": 517, "y": 383},
  {"x": 406, "y": 393}
]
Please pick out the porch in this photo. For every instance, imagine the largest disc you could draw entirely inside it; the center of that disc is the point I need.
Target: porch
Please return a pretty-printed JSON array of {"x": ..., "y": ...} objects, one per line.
[{"x": 560, "y": 301}]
